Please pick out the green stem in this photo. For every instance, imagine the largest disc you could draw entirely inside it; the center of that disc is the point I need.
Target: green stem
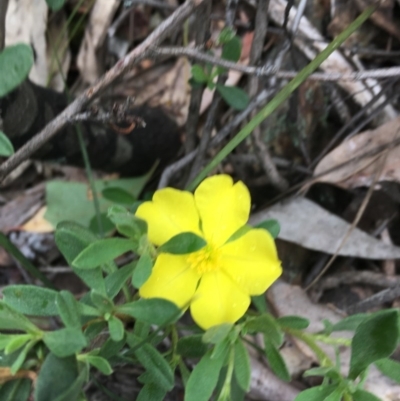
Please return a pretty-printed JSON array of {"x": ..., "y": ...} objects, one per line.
[
  {"x": 309, "y": 339},
  {"x": 225, "y": 393},
  {"x": 270, "y": 107},
  {"x": 92, "y": 184},
  {"x": 332, "y": 341}
]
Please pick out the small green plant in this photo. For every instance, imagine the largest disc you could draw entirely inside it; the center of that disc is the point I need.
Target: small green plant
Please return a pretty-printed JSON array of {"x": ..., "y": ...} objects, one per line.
[
  {"x": 201, "y": 257},
  {"x": 231, "y": 50}
]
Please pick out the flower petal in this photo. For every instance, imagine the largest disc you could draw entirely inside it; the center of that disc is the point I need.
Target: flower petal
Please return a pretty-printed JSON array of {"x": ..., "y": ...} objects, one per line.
[
  {"x": 251, "y": 261},
  {"x": 218, "y": 300},
  {"x": 171, "y": 279},
  {"x": 224, "y": 207},
  {"x": 169, "y": 213}
]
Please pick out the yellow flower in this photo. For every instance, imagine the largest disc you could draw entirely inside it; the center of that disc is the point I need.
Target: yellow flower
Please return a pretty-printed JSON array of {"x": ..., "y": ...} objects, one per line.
[{"x": 218, "y": 280}]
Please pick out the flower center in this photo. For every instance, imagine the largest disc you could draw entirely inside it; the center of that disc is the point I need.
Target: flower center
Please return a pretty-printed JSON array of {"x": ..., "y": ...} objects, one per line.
[{"x": 205, "y": 260}]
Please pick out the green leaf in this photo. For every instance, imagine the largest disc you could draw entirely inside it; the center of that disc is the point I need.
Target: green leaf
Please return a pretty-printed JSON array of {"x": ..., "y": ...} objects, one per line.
[
  {"x": 65, "y": 342},
  {"x": 272, "y": 226},
  {"x": 239, "y": 233},
  {"x": 233, "y": 96},
  {"x": 73, "y": 201},
  {"x": 73, "y": 392},
  {"x": 15, "y": 63},
  {"x": 10, "y": 319},
  {"x": 330, "y": 372},
  {"x": 6, "y": 147},
  {"x": 143, "y": 269},
  {"x": 118, "y": 195},
  {"x": 375, "y": 338},
  {"x": 226, "y": 35},
  {"x": 336, "y": 394},
  {"x": 203, "y": 379},
  {"x": 127, "y": 224},
  {"x": 101, "y": 302},
  {"x": 55, "y": 5},
  {"x": 232, "y": 49},
  {"x": 154, "y": 363},
  {"x": 266, "y": 324},
  {"x": 99, "y": 363},
  {"x": 216, "y": 334},
  {"x": 389, "y": 368},
  {"x": 56, "y": 375},
  {"x": 157, "y": 311},
  {"x": 16, "y": 342},
  {"x": 242, "y": 365},
  {"x": 111, "y": 348},
  {"x": 102, "y": 251},
  {"x": 59, "y": 379},
  {"x": 151, "y": 392},
  {"x": 31, "y": 300},
  {"x": 192, "y": 346},
  {"x": 260, "y": 303},
  {"x": 183, "y": 243},
  {"x": 102, "y": 225},
  {"x": 318, "y": 393},
  {"x": 116, "y": 280},
  {"x": 17, "y": 364},
  {"x": 198, "y": 74},
  {"x": 5, "y": 339},
  {"x": 293, "y": 322},
  {"x": 276, "y": 361},
  {"x": 362, "y": 395},
  {"x": 16, "y": 390},
  {"x": 71, "y": 239},
  {"x": 68, "y": 309},
  {"x": 350, "y": 323},
  {"x": 116, "y": 328}
]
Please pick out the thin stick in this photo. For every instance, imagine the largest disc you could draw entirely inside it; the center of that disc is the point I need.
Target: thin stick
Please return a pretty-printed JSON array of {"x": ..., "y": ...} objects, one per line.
[
  {"x": 196, "y": 54},
  {"x": 122, "y": 66},
  {"x": 3, "y": 13}
]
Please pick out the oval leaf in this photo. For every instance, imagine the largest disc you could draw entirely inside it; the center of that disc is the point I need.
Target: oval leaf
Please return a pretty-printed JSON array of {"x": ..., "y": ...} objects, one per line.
[
  {"x": 6, "y": 147},
  {"x": 31, "y": 300},
  {"x": 204, "y": 378},
  {"x": 65, "y": 342},
  {"x": 15, "y": 63},
  {"x": 102, "y": 251},
  {"x": 183, "y": 243},
  {"x": 374, "y": 339},
  {"x": 235, "y": 97},
  {"x": 272, "y": 226},
  {"x": 118, "y": 195},
  {"x": 154, "y": 311}
]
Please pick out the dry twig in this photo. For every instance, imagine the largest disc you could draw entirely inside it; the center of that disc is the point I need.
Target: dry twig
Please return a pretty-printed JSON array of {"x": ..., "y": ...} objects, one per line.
[{"x": 196, "y": 54}]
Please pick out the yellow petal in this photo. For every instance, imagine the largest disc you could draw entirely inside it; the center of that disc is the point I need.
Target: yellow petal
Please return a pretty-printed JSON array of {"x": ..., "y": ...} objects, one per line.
[
  {"x": 171, "y": 279},
  {"x": 169, "y": 213},
  {"x": 224, "y": 207},
  {"x": 218, "y": 300},
  {"x": 251, "y": 261}
]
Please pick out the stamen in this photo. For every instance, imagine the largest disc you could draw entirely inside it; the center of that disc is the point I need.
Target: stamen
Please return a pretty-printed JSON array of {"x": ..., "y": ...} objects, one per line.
[{"x": 205, "y": 260}]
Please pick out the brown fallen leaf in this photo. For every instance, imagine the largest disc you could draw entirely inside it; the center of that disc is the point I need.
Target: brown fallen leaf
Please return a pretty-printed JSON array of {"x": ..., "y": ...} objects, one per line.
[
  {"x": 6, "y": 375},
  {"x": 347, "y": 167},
  {"x": 323, "y": 232}
]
